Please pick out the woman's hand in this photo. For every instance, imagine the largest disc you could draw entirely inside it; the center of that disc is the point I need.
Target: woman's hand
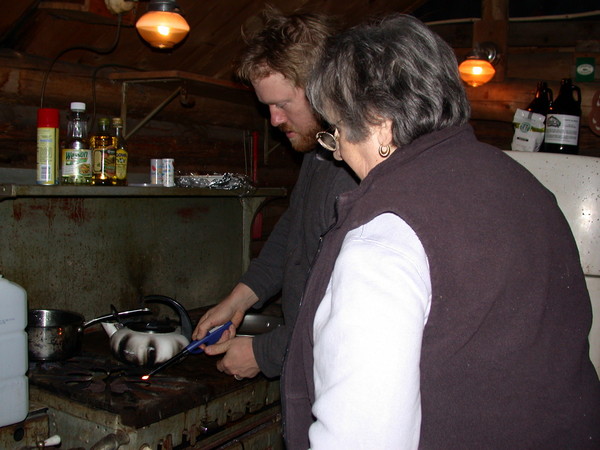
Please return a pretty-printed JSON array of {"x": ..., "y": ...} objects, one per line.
[{"x": 239, "y": 359}]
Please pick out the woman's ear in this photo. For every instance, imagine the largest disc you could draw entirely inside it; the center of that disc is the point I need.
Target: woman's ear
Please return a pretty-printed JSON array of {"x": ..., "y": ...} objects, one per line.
[{"x": 385, "y": 133}]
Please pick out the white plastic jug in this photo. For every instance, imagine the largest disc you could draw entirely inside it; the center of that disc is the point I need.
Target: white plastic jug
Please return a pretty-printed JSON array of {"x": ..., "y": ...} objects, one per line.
[{"x": 14, "y": 385}]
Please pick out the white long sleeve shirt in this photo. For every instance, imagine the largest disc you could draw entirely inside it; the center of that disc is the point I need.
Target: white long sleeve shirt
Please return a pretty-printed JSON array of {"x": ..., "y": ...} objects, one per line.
[{"x": 367, "y": 341}]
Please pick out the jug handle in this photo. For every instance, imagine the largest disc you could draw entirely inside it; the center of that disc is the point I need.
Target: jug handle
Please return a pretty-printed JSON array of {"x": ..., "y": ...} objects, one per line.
[
  {"x": 184, "y": 318},
  {"x": 576, "y": 89}
]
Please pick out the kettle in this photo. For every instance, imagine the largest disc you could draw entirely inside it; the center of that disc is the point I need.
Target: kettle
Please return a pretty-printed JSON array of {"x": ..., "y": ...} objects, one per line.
[{"x": 151, "y": 342}]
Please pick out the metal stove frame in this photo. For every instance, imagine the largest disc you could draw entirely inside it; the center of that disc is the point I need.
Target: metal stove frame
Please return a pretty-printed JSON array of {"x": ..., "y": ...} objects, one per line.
[{"x": 249, "y": 413}]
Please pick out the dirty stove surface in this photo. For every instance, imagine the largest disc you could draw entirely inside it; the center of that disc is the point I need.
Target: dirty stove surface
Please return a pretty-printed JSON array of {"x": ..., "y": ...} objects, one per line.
[
  {"x": 94, "y": 386},
  {"x": 106, "y": 384}
]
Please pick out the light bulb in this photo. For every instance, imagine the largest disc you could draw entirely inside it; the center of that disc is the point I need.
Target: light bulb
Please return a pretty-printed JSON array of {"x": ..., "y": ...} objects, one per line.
[{"x": 163, "y": 30}]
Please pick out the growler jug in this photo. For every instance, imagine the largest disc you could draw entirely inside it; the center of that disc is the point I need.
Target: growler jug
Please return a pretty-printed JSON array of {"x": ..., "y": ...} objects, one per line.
[{"x": 562, "y": 121}]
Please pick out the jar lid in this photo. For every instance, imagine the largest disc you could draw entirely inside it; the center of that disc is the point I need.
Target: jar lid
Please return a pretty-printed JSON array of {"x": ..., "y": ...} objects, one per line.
[
  {"x": 47, "y": 118},
  {"x": 77, "y": 106}
]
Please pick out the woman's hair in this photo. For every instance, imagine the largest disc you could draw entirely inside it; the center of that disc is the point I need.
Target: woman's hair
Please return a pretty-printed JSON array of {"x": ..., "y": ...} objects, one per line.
[
  {"x": 395, "y": 69},
  {"x": 290, "y": 45}
]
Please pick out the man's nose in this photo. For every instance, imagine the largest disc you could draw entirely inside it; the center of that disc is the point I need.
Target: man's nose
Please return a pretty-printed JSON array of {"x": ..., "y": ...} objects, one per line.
[{"x": 277, "y": 116}]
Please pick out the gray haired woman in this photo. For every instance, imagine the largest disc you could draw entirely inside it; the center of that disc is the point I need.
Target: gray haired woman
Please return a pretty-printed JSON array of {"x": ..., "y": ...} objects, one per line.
[{"x": 447, "y": 307}]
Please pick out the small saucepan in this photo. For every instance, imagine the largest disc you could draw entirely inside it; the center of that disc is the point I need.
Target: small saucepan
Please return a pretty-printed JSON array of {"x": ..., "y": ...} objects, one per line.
[{"x": 55, "y": 334}]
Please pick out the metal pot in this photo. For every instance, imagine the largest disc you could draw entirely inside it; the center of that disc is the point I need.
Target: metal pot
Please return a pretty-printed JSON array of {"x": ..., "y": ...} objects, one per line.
[
  {"x": 255, "y": 323},
  {"x": 55, "y": 334}
]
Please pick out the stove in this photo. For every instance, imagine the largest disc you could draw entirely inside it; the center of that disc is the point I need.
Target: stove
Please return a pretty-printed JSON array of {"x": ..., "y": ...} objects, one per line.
[{"x": 95, "y": 402}]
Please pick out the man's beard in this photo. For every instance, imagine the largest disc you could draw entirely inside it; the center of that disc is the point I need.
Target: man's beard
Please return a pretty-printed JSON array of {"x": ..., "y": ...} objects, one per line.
[{"x": 303, "y": 142}]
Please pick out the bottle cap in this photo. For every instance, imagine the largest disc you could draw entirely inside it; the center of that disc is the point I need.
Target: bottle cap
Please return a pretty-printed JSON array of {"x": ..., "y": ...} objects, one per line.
[
  {"x": 117, "y": 122},
  {"x": 77, "y": 106},
  {"x": 47, "y": 118}
]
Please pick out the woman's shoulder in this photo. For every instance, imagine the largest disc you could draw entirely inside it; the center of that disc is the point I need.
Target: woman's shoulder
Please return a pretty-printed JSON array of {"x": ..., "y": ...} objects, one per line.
[{"x": 388, "y": 234}]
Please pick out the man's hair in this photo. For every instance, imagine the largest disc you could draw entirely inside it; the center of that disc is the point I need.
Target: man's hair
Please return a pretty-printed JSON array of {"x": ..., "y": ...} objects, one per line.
[
  {"x": 288, "y": 44},
  {"x": 397, "y": 69}
]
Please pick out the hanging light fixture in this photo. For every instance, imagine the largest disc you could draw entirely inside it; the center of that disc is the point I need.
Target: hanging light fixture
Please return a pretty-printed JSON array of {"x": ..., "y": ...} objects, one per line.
[
  {"x": 163, "y": 26},
  {"x": 478, "y": 67}
]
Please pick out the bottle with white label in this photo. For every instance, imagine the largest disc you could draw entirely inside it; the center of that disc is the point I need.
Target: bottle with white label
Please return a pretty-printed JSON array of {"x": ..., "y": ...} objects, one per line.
[
  {"x": 562, "y": 121},
  {"x": 14, "y": 386},
  {"x": 76, "y": 152}
]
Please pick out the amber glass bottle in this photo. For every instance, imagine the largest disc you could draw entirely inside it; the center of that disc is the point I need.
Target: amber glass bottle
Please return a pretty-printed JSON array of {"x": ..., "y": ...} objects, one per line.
[
  {"x": 122, "y": 156},
  {"x": 562, "y": 121},
  {"x": 104, "y": 157},
  {"x": 542, "y": 100}
]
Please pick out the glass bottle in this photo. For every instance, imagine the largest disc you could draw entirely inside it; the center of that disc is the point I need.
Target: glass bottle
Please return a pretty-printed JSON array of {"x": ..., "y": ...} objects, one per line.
[
  {"x": 562, "y": 121},
  {"x": 122, "y": 156},
  {"x": 76, "y": 154},
  {"x": 542, "y": 100},
  {"x": 104, "y": 164}
]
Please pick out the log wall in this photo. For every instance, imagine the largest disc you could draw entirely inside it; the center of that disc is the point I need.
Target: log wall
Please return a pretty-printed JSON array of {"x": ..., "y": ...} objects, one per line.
[
  {"x": 213, "y": 135},
  {"x": 536, "y": 50}
]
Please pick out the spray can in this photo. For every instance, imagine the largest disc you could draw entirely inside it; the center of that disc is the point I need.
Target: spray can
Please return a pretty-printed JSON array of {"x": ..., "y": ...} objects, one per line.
[{"x": 47, "y": 146}]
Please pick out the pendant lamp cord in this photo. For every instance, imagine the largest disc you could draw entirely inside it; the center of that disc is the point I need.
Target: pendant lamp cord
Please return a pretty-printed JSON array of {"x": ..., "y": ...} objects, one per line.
[{"x": 101, "y": 51}]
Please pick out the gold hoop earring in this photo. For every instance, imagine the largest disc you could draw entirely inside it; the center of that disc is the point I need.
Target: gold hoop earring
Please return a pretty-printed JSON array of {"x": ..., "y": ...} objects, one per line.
[{"x": 384, "y": 151}]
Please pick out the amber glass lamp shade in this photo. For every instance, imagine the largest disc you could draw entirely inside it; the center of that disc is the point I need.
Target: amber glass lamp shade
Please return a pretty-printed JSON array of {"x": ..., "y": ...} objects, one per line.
[
  {"x": 162, "y": 29},
  {"x": 476, "y": 72}
]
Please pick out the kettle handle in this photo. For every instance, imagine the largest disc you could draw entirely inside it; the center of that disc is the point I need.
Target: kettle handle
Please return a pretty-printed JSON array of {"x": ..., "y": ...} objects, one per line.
[
  {"x": 575, "y": 89},
  {"x": 184, "y": 318},
  {"x": 116, "y": 316}
]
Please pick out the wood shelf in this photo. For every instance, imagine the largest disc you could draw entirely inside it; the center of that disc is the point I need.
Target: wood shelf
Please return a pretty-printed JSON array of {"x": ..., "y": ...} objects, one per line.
[
  {"x": 185, "y": 85},
  {"x": 195, "y": 84},
  {"x": 8, "y": 191},
  {"x": 162, "y": 75}
]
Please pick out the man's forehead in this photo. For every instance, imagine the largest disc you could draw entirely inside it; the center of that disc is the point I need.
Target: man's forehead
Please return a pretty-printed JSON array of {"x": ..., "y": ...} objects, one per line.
[{"x": 275, "y": 88}]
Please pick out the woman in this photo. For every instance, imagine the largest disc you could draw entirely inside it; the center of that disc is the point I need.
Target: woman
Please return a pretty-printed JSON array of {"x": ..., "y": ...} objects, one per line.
[{"x": 447, "y": 307}]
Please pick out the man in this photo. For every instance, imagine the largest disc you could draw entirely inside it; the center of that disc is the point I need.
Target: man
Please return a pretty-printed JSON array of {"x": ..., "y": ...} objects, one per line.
[{"x": 277, "y": 62}]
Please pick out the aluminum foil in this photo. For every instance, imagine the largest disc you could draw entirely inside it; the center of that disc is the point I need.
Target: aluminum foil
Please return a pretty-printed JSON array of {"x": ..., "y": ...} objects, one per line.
[{"x": 226, "y": 181}]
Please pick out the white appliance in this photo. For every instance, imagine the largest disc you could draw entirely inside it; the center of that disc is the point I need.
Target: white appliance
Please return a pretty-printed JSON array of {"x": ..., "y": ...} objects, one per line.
[{"x": 575, "y": 181}]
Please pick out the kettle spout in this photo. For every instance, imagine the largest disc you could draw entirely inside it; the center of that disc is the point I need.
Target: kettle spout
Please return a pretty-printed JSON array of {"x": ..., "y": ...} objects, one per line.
[{"x": 111, "y": 328}]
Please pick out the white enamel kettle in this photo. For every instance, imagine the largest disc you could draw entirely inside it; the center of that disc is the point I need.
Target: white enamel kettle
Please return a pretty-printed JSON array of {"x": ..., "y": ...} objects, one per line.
[{"x": 150, "y": 342}]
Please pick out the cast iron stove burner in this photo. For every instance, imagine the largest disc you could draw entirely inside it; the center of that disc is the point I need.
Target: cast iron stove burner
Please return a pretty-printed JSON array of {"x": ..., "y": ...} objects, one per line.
[
  {"x": 102, "y": 375},
  {"x": 99, "y": 380}
]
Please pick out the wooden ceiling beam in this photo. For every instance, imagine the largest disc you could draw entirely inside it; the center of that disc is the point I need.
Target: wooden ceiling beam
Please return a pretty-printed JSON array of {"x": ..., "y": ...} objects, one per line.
[{"x": 493, "y": 27}]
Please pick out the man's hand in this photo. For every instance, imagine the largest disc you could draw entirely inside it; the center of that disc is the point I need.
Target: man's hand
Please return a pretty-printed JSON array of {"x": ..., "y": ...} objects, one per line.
[{"x": 233, "y": 307}]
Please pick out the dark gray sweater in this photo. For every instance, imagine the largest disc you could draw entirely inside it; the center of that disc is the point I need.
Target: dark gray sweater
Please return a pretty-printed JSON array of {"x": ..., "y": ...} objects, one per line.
[
  {"x": 504, "y": 360},
  {"x": 285, "y": 259}
]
